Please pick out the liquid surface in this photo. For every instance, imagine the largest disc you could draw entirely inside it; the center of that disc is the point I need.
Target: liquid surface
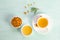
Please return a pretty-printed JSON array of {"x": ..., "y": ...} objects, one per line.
[
  {"x": 42, "y": 22},
  {"x": 26, "y": 30}
]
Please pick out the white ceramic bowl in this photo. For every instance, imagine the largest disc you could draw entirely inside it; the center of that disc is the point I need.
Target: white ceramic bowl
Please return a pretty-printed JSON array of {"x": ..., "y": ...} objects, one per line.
[
  {"x": 23, "y": 33},
  {"x": 12, "y": 25}
]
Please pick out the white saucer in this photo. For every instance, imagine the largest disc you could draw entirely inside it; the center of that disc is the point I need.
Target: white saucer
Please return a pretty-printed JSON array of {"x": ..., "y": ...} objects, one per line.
[{"x": 42, "y": 30}]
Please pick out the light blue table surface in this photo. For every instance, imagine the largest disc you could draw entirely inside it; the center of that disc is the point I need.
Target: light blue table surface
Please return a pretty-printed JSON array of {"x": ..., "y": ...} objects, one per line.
[{"x": 9, "y": 8}]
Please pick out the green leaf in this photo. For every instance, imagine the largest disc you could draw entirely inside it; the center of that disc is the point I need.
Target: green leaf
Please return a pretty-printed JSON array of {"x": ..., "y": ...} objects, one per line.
[{"x": 33, "y": 9}]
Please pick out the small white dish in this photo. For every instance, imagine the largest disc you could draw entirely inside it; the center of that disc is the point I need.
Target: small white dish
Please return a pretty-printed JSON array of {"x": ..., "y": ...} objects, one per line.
[
  {"x": 28, "y": 30},
  {"x": 12, "y": 25},
  {"x": 39, "y": 29}
]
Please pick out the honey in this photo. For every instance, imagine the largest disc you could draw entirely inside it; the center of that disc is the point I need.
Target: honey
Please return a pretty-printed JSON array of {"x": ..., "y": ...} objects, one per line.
[{"x": 16, "y": 21}]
